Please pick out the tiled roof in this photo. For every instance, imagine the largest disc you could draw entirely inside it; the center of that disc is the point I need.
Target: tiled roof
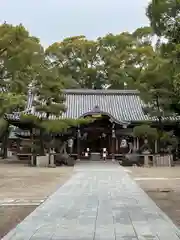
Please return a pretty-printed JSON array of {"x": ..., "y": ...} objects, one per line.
[{"x": 121, "y": 105}]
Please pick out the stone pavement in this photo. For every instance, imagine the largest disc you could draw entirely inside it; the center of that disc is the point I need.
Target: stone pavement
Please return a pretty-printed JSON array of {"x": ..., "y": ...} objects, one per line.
[{"x": 99, "y": 202}]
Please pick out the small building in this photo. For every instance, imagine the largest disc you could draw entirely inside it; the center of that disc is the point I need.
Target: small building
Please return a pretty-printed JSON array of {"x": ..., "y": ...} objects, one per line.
[{"x": 116, "y": 113}]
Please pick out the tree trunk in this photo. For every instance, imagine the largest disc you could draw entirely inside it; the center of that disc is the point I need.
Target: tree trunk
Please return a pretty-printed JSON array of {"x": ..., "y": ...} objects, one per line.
[
  {"x": 33, "y": 150},
  {"x": 160, "y": 123},
  {"x": 5, "y": 142}
]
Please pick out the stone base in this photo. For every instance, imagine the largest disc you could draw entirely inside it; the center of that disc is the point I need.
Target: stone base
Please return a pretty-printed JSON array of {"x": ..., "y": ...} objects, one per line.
[
  {"x": 9, "y": 153},
  {"x": 52, "y": 166},
  {"x": 43, "y": 161},
  {"x": 95, "y": 157}
]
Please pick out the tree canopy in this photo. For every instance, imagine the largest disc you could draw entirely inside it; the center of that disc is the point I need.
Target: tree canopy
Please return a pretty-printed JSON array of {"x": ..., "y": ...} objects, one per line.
[
  {"x": 147, "y": 59},
  {"x": 26, "y": 67},
  {"x": 164, "y": 18}
]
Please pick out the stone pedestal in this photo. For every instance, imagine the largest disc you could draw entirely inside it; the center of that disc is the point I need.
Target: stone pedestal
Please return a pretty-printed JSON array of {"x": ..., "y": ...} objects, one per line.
[
  {"x": 9, "y": 153},
  {"x": 146, "y": 161},
  {"x": 95, "y": 157},
  {"x": 43, "y": 161},
  {"x": 51, "y": 162},
  {"x": 146, "y": 158}
]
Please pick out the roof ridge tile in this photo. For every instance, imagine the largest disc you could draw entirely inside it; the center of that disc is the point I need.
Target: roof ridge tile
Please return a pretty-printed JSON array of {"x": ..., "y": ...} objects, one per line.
[{"x": 101, "y": 92}]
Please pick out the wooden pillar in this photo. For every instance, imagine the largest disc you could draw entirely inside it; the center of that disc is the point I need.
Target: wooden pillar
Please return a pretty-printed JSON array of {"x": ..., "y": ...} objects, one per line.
[
  {"x": 49, "y": 149},
  {"x": 78, "y": 144},
  {"x": 33, "y": 154},
  {"x": 32, "y": 149},
  {"x": 18, "y": 145},
  {"x": 113, "y": 142},
  {"x": 156, "y": 152},
  {"x": 117, "y": 145},
  {"x": 156, "y": 146}
]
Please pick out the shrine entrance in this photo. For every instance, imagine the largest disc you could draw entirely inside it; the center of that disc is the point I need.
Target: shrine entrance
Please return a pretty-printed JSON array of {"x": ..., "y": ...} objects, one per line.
[
  {"x": 97, "y": 139},
  {"x": 97, "y": 135}
]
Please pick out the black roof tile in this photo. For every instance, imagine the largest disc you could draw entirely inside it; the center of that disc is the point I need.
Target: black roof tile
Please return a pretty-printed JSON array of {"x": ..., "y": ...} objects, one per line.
[{"x": 122, "y": 105}]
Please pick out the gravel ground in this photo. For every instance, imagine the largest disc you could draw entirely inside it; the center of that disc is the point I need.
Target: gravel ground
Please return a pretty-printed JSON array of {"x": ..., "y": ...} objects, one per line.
[
  {"x": 23, "y": 188},
  {"x": 10, "y": 216},
  {"x": 163, "y": 186}
]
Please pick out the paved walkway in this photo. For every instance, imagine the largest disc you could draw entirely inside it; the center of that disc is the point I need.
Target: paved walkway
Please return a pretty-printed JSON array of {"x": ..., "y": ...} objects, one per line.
[{"x": 99, "y": 202}]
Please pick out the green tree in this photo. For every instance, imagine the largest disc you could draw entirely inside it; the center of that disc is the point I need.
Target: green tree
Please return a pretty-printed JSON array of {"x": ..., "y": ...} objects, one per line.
[
  {"x": 113, "y": 60},
  {"x": 79, "y": 58},
  {"x": 20, "y": 54},
  {"x": 164, "y": 16},
  {"x": 49, "y": 103},
  {"x": 156, "y": 88},
  {"x": 125, "y": 57},
  {"x": 145, "y": 131}
]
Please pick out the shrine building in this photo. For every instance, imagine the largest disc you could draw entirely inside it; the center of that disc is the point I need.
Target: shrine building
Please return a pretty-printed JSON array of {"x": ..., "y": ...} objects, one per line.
[{"x": 116, "y": 112}]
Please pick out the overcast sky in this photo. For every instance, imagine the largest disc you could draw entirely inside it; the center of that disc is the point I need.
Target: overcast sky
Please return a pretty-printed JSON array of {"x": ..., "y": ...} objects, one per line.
[{"x": 53, "y": 20}]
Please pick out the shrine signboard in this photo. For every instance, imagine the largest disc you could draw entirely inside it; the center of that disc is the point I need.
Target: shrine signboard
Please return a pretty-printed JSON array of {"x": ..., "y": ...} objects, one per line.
[{"x": 96, "y": 115}]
